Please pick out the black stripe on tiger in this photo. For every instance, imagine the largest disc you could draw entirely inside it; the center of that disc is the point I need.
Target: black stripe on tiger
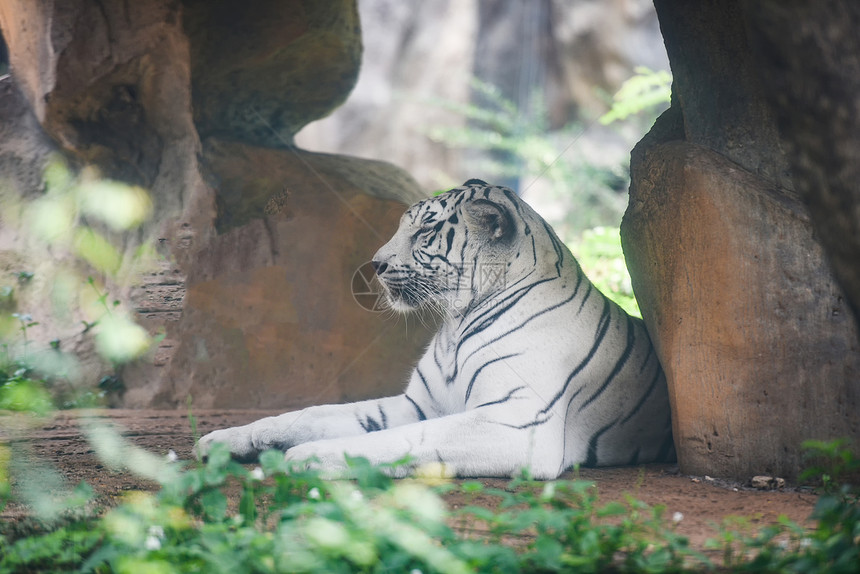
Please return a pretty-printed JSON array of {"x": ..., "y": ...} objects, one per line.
[
  {"x": 602, "y": 328},
  {"x": 418, "y": 410},
  {"x": 556, "y": 245},
  {"x": 424, "y": 382},
  {"x": 481, "y": 368},
  {"x": 591, "y": 456},
  {"x": 535, "y": 423},
  {"x": 634, "y": 460},
  {"x": 631, "y": 338},
  {"x": 587, "y": 295},
  {"x": 449, "y": 239},
  {"x": 528, "y": 320},
  {"x": 474, "y": 181},
  {"x": 486, "y": 319},
  {"x": 667, "y": 449},
  {"x": 370, "y": 424},
  {"x": 645, "y": 395},
  {"x": 512, "y": 197},
  {"x": 504, "y": 399}
]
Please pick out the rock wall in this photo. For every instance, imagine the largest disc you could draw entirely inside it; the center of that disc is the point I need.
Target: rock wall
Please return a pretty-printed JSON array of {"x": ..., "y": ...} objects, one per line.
[
  {"x": 757, "y": 338},
  {"x": 809, "y": 56},
  {"x": 199, "y": 102}
]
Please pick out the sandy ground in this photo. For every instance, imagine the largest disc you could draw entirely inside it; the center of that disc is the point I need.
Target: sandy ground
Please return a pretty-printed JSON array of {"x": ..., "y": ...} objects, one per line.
[{"x": 704, "y": 502}]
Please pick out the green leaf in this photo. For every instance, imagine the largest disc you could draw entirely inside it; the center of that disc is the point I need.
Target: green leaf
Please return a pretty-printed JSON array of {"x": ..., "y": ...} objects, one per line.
[
  {"x": 214, "y": 505},
  {"x": 247, "y": 504},
  {"x": 93, "y": 248},
  {"x": 121, "y": 340},
  {"x": 120, "y": 206},
  {"x": 646, "y": 89}
]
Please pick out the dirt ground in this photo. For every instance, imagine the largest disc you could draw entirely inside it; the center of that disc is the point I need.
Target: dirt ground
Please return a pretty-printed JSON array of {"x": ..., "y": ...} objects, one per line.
[{"x": 704, "y": 502}]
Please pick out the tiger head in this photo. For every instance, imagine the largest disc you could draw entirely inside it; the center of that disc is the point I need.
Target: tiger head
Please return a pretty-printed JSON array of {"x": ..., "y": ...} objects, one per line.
[{"x": 456, "y": 249}]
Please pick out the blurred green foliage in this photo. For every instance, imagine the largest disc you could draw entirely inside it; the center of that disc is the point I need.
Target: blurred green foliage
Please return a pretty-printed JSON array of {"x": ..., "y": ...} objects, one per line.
[
  {"x": 74, "y": 230},
  {"x": 283, "y": 517},
  {"x": 520, "y": 146}
]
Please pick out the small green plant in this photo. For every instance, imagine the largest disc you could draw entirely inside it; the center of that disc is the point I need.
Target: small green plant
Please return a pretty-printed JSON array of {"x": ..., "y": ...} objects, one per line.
[
  {"x": 832, "y": 546},
  {"x": 830, "y": 463},
  {"x": 287, "y": 519},
  {"x": 78, "y": 220},
  {"x": 559, "y": 526},
  {"x": 71, "y": 230},
  {"x": 599, "y": 253}
]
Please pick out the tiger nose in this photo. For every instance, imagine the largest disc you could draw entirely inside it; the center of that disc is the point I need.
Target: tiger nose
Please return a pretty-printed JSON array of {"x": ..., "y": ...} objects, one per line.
[{"x": 379, "y": 266}]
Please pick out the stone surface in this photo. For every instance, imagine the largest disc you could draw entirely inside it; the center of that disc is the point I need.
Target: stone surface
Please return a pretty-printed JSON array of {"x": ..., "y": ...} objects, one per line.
[
  {"x": 261, "y": 70},
  {"x": 718, "y": 85},
  {"x": 762, "y": 482},
  {"x": 757, "y": 340},
  {"x": 25, "y": 150},
  {"x": 268, "y": 316},
  {"x": 809, "y": 55}
]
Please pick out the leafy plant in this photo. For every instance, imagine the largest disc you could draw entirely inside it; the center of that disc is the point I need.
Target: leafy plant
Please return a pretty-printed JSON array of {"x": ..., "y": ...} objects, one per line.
[
  {"x": 645, "y": 90},
  {"x": 832, "y": 546},
  {"x": 78, "y": 220},
  {"x": 831, "y": 463},
  {"x": 226, "y": 517},
  {"x": 599, "y": 252}
]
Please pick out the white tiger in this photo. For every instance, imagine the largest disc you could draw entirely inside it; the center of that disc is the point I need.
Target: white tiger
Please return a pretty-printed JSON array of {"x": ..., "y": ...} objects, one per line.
[{"x": 532, "y": 367}]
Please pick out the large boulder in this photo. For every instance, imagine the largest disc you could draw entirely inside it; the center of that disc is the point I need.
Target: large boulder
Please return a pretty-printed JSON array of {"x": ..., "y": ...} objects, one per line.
[
  {"x": 257, "y": 246},
  {"x": 749, "y": 324},
  {"x": 261, "y": 70},
  {"x": 757, "y": 338},
  {"x": 269, "y": 317}
]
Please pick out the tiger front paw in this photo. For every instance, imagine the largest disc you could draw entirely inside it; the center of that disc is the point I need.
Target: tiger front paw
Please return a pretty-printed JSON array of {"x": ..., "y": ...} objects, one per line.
[{"x": 238, "y": 440}]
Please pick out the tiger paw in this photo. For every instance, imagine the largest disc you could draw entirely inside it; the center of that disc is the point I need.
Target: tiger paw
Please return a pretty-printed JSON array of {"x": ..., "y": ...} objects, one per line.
[{"x": 238, "y": 439}]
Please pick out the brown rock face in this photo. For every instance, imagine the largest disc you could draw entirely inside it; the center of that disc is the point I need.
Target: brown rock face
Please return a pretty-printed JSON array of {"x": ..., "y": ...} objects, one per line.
[
  {"x": 757, "y": 338},
  {"x": 749, "y": 324},
  {"x": 258, "y": 245},
  {"x": 269, "y": 316},
  {"x": 809, "y": 55},
  {"x": 261, "y": 70}
]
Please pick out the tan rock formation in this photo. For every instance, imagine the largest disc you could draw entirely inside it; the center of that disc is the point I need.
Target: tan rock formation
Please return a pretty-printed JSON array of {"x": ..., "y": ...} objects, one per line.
[
  {"x": 258, "y": 246},
  {"x": 757, "y": 338}
]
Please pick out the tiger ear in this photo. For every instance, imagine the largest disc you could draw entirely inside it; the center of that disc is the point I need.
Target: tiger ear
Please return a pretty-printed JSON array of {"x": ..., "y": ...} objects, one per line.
[{"x": 488, "y": 219}]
